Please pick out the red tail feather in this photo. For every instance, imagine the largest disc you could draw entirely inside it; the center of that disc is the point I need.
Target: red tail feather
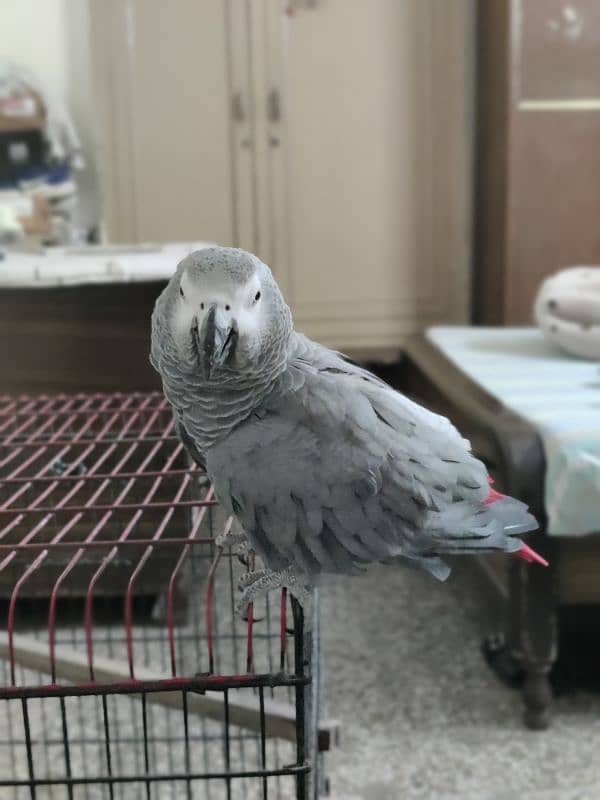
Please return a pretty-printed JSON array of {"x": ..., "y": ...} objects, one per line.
[
  {"x": 526, "y": 553},
  {"x": 529, "y": 555},
  {"x": 493, "y": 497}
]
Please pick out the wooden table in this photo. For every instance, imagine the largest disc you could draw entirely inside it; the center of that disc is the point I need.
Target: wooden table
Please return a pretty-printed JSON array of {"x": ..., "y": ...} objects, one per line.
[{"x": 513, "y": 452}]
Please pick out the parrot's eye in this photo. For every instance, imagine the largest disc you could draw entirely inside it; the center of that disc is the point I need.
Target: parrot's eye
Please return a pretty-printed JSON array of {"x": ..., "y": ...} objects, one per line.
[
  {"x": 257, "y": 297},
  {"x": 202, "y": 306},
  {"x": 227, "y": 308},
  {"x": 181, "y": 292}
]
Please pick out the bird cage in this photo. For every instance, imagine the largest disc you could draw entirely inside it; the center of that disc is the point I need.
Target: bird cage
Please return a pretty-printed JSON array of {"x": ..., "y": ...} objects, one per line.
[{"x": 124, "y": 670}]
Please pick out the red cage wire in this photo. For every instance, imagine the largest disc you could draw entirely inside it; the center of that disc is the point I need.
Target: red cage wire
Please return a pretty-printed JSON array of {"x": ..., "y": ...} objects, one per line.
[{"x": 110, "y": 593}]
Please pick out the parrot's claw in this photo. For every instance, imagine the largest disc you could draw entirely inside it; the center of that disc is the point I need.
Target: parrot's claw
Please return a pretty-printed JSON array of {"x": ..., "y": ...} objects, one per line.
[{"x": 254, "y": 585}]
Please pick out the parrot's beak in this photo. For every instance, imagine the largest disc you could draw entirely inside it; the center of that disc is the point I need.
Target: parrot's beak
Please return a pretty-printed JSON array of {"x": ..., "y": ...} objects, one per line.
[{"x": 217, "y": 339}]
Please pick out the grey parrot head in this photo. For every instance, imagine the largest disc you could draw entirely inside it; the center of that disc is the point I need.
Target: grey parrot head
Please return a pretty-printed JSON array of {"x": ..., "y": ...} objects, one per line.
[{"x": 224, "y": 310}]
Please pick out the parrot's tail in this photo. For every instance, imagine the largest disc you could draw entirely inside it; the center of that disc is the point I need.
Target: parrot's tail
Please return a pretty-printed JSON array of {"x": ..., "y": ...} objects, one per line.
[
  {"x": 496, "y": 525},
  {"x": 517, "y": 520}
]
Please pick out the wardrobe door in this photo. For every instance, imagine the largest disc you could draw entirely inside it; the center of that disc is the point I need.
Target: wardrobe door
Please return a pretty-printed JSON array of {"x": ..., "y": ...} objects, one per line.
[
  {"x": 166, "y": 137},
  {"x": 363, "y": 186}
]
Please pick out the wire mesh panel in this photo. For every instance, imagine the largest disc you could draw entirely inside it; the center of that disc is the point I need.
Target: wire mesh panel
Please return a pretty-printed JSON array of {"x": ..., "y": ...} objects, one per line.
[{"x": 124, "y": 670}]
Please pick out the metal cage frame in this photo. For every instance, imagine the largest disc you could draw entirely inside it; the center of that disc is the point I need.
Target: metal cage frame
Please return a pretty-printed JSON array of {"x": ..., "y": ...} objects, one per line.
[{"x": 107, "y": 556}]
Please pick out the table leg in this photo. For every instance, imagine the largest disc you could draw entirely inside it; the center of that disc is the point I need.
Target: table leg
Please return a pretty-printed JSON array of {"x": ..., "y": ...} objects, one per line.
[{"x": 533, "y": 629}]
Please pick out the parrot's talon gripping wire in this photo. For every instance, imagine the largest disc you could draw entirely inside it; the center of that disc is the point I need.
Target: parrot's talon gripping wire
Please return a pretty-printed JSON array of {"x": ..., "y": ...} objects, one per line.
[
  {"x": 249, "y": 562},
  {"x": 246, "y": 618}
]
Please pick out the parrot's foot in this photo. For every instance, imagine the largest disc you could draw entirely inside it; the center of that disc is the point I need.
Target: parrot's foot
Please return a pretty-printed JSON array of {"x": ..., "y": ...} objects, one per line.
[
  {"x": 233, "y": 538},
  {"x": 254, "y": 585}
]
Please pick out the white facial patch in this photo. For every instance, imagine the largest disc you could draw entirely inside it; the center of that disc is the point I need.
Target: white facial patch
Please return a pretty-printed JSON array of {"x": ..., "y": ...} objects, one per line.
[{"x": 234, "y": 302}]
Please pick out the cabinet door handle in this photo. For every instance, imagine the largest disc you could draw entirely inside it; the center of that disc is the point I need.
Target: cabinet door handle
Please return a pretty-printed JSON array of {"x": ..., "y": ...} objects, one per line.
[
  {"x": 238, "y": 107},
  {"x": 274, "y": 106}
]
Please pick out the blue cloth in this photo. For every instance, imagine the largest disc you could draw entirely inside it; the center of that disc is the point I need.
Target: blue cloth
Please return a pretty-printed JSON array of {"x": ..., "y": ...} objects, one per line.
[
  {"x": 556, "y": 392},
  {"x": 51, "y": 174}
]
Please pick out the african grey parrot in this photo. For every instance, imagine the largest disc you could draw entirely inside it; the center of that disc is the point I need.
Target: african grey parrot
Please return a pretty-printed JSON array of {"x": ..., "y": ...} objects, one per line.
[{"x": 326, "y": 468}]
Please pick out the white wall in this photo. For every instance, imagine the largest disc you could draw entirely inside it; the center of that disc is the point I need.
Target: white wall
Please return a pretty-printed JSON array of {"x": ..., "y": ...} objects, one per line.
[
  {"x": 51, "y": 37},
  {"x": 34, "y": 33}
]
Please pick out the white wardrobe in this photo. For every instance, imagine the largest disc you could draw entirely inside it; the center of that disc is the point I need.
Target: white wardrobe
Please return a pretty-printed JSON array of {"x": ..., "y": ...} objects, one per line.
[{"x": 331, "y": 137}]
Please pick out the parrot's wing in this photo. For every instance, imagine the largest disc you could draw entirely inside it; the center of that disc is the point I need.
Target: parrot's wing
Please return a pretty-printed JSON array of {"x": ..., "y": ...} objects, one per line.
[
  {"x": 313, "y": 357},
  {"x": 340, "y": 471}
]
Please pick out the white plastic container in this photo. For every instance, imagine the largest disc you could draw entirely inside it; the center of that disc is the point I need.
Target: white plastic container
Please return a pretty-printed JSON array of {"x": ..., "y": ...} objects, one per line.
[{"x": 567, "y": 310}]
